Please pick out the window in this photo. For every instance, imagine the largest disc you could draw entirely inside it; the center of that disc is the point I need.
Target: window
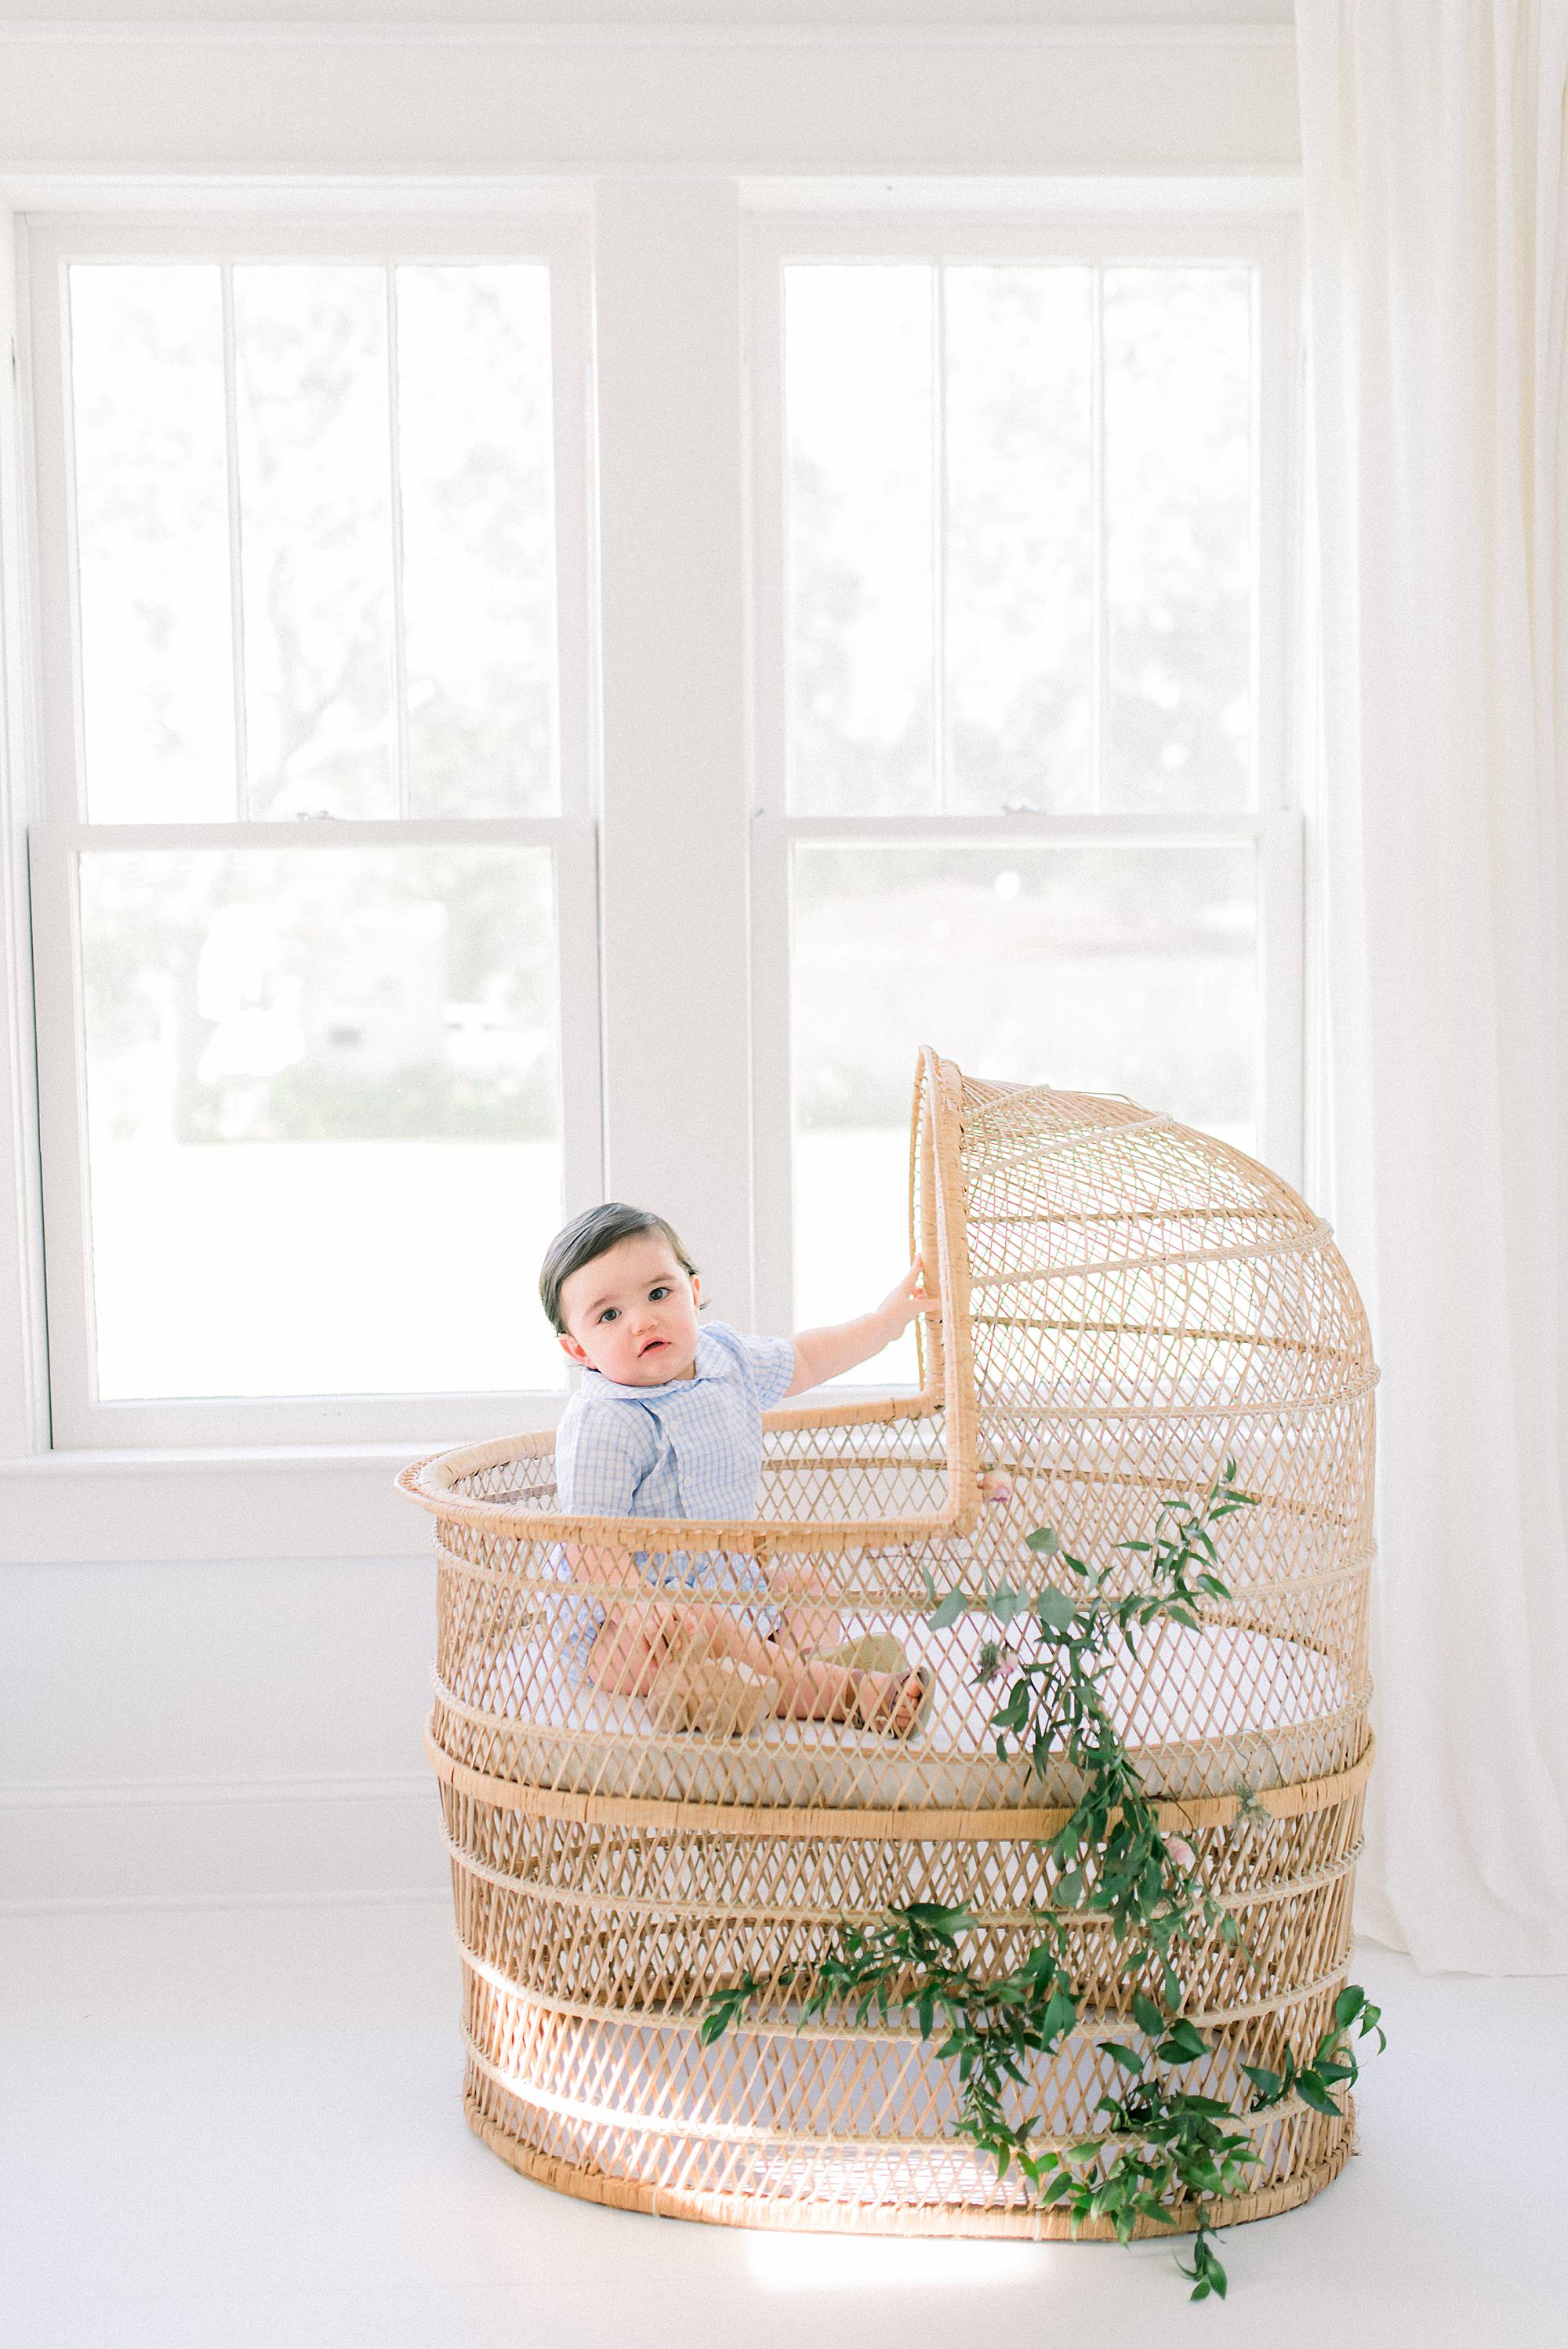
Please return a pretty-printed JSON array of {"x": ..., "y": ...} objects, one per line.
[
  {"x": 315, "y": 903},
  {"x": 1022, "y": 560}
]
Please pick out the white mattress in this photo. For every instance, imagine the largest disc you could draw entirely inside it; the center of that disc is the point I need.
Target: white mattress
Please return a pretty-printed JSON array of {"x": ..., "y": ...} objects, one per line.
[{"x": 1205, "y": 1711}]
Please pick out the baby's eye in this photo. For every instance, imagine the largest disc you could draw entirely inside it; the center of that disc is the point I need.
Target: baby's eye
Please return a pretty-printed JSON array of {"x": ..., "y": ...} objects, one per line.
[
  {"x": 611, "y": 1313},
  {"x": 658, "y": 1291}
]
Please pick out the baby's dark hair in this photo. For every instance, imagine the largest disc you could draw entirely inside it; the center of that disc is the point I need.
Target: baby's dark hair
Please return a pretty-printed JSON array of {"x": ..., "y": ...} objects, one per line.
[{"x": 594, "y": 1234}]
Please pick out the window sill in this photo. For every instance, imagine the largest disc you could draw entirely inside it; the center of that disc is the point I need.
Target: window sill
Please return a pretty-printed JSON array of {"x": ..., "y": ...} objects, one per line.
[
  {"x": 220, "y": 1503},
  {"x": 271, "y": 1501}
]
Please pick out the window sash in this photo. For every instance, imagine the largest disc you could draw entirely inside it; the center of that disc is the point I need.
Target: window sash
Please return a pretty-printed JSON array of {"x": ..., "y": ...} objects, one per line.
[
  {"x": 1267, "y": 245},
  {"x": 559, "y": 241},
  {"x": 80, "y": 1419},
  {"x": 1274, "y": 824},
  {"x": 556, "y": 235}
]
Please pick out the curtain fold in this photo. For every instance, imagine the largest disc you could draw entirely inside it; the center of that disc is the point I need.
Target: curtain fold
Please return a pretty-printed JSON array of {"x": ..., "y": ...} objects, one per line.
[{"x": 1437, "y": 243}]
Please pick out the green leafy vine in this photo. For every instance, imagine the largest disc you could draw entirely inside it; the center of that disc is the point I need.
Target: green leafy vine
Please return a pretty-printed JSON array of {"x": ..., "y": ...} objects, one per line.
[{"x": 1162, "y": 2144}]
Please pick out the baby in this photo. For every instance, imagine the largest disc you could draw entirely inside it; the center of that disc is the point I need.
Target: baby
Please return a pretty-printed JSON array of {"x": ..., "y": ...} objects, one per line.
[{"x": 667, "y": 1422}]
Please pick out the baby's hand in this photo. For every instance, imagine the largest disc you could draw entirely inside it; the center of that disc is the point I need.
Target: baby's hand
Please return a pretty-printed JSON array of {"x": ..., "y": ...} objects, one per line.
[{"x": 908, "y": 1300}]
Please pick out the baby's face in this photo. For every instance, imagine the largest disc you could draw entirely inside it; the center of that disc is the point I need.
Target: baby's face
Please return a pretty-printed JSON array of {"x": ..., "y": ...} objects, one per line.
[{"x": 632, "y": 1314}]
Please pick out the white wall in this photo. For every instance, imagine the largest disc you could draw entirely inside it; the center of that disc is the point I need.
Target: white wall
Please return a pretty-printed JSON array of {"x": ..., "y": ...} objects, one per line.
[
  {"x": 246, "y": 1731},
  {"x": 213, "y": 1677}
]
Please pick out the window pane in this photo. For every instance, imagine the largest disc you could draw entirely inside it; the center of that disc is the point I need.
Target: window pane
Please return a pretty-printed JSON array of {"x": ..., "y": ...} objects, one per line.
[
  {"x": 1179, "y": 537},
  {"x": 859, "y": 486},
  {"x": 152, "y": 541},
  {"x": 318, "y": 531},
  {"x": 1071, "y": 632},
  {"x": 323, "y": 1131},
  {"x": 478, "y": 546},
  {"x": 1019, "y": 602},
  {"x": 1124, "y": 968},
  {"x": 316, "y": 524}
]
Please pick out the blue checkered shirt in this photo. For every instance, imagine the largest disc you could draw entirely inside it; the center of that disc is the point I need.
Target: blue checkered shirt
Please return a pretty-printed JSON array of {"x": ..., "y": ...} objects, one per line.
[{"x": 691, "y": 1448}]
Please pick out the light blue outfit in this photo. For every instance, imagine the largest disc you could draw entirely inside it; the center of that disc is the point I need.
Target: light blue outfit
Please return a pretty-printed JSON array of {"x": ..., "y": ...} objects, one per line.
[{"x": 690, "y": 1448}]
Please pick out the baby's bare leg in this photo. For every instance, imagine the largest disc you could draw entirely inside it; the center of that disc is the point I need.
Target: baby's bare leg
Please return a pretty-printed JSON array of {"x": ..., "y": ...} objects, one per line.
[
  {"x": 812, "y": 1690},
  {"x": 634, "y": 1638},
  {"x": 630, "y": 1646},
  {"x": 639, "y": 1636},
  {"x": 810, "y": 1687},
  {"x": 805, "y": 1628}
]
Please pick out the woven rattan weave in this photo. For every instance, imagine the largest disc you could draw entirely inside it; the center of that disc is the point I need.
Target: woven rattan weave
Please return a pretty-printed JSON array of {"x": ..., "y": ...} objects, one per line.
[{"x": 1126, "y": 1304}]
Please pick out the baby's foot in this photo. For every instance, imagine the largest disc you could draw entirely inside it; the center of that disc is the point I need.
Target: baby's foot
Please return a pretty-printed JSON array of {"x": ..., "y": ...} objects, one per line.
[
  {"x": 719, "y": 1698},
  {"x": 890, "y": 1702}
]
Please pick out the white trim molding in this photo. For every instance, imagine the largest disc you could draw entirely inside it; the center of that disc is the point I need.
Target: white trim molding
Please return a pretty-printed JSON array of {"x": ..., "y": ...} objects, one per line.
[
  {"x": 691, "y": 35},
  {"x": 65, "y": 1508},
  {"x": 75, "y": 1845},
  {"x": 414, "y": 99}
]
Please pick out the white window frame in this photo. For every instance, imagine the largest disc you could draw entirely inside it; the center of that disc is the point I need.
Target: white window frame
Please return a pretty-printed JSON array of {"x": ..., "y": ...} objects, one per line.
[
  {"x": 1265, "y": 241},
  {"x": 78, "y": 1419}
]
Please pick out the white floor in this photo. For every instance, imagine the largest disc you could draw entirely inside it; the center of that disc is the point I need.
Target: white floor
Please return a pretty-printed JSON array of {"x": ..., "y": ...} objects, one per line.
[{"x": 240, "y": 2129}]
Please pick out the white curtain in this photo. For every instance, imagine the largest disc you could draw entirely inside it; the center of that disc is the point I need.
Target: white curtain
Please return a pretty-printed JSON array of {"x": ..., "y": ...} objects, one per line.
[{"x": 1437, "y": 228}]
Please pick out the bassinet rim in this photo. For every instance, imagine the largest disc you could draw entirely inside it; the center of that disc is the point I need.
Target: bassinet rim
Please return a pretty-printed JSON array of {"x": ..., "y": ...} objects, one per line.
[
  {"x": 429, "y": 1482},
  {"x": 1298, "y": 1799}
]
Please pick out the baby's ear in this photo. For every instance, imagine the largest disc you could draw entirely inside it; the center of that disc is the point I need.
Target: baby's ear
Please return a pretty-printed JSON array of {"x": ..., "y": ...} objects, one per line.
[{"x": 571, "y": 1349}]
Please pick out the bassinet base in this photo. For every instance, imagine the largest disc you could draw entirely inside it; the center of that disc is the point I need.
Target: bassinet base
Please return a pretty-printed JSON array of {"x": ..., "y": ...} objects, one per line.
[
  {"x": 921, "y": 2220},
  {"x": 591, "y": 1931}
]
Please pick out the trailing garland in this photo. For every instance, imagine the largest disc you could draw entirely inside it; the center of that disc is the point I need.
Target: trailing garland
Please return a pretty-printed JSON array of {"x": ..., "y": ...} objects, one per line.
[{"x": 1162, "y": 2144}]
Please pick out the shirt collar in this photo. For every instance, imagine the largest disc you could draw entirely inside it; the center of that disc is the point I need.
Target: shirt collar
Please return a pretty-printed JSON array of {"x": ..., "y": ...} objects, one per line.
[{"x": 712, "y": 1362}]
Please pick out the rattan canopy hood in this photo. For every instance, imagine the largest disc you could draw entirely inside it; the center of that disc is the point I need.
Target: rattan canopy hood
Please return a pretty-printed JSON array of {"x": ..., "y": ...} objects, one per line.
[{"x": 1126, "y": 1304}]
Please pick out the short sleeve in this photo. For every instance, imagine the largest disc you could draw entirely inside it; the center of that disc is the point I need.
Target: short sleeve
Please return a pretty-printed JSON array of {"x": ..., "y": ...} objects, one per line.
[
  {"x": 600, "y": 1458},
  {"x": 771, "y": 1361}
]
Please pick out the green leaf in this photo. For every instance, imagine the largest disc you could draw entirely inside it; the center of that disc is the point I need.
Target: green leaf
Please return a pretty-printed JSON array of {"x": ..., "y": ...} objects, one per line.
[
  {"x": 1311, "y": 2091},
  {"x": 946, "y": 1923},
  {"x": 1182, "y": 2044},
  {"x": 1268, "y": 2084},
  {"x": 1123, "y": 2055},
  {"x": 1044, "y": 1540},
  {"x": 1056, "y": 1609},
  {"x": 949, "y": 1610},
  {"x": 1147, "y": 2014},
  {"x": 1348, "y": 2004},
  {"x": 1061, "y": 2014},
  {"x": 724, "y": 2007}
]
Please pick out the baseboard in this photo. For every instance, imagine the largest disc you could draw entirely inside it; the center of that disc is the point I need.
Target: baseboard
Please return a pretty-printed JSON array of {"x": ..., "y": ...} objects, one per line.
[{"x": 155, "y": 1842}]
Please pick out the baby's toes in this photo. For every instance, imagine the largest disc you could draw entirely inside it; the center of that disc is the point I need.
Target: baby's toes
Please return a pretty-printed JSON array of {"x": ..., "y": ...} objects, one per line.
[
  {"x": 911, "y": 1697},
  {"x": 898, "y": 1702}
]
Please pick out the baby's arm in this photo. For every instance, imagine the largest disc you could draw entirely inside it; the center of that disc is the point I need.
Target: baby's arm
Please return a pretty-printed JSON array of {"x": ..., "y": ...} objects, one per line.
[{"x": 822, "y": 1354}]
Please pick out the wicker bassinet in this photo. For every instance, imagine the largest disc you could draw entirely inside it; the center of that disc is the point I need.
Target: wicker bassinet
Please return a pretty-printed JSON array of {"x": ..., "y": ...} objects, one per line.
[{"x": 1125, "y": 1305}]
